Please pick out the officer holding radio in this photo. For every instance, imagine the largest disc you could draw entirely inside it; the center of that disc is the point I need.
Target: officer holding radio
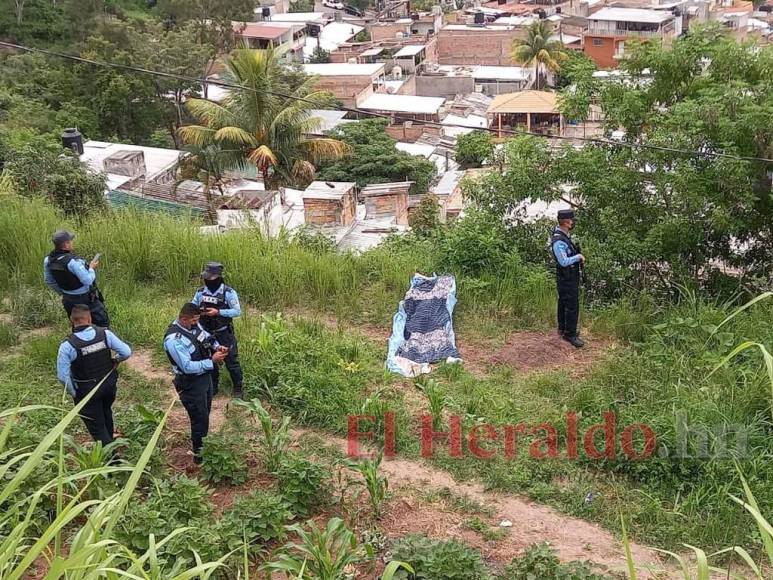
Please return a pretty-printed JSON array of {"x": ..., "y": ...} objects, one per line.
[
  {"x": 194, "y": 356},
  {"x": 219, "y": 305}
]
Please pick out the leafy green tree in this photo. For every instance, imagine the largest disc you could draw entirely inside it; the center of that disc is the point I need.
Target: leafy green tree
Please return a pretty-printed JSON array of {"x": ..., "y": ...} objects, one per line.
[
  {"x": 45, "y": 171},
  {"x": 260, "y": 126},
  {"x": 473, "y": 149},
  {"x": 373, "y": 158},
  {"x": 653, "y": 216},
  {"x": 319, "y": 56},
  {"x": 538, "y": 51},
  {"x": 302, "y": 6}
]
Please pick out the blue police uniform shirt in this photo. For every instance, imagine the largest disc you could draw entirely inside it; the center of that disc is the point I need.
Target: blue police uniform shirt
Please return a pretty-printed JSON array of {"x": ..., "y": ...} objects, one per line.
[
  {"x": 560, "y": 248},
  {"x": 79, "y": 268},
  {"x": 67, "y": 354},
  {"x": 180, "y": 348},
  {"x": 231, "y": 298}
]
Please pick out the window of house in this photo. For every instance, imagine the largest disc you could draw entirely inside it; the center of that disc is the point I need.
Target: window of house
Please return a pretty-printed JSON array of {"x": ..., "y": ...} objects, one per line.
[{"x": 598, "y": 42}]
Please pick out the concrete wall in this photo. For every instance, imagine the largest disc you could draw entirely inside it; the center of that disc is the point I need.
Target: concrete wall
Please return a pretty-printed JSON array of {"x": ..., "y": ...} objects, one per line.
[
  {"x": 387, "y": 31},
  {"x": 388, "y": 205},
  {"x": 484, "y": 46},
  {"x": 330, "y": 212},
  {"x": 442, "y": 86},
  {"x": 268, "y": 218},
  {"x": 602, "y": 55}
]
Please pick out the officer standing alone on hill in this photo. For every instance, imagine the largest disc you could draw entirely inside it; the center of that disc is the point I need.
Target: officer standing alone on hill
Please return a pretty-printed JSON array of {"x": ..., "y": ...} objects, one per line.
[
  {"x": 84, "y": 360},
  {"x": 73, "y": 279},
  {"x": 219, "y": 306},
  {"x": 569, "y": 261},
  {"x": 194, "y": 355}
]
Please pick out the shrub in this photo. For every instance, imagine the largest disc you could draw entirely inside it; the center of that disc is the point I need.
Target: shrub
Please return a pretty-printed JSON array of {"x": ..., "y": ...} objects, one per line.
[
  {"x": 182, "y": 500},
  {"x": 474, "y": 148},
  {"x": 425, "y": 220},
  {"x": 476, "y": 244},
  {"x": 540, "y": 561},
  {"x": 440, "y": 560},
  {"x": 302, "y": 484},
  {"x": 259, "y": 518},
  {"x": 223, "y": 459}
]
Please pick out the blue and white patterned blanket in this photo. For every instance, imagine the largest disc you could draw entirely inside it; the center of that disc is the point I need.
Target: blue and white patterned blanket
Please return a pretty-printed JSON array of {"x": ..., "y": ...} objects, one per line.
[{"x": 422, "y": 328}]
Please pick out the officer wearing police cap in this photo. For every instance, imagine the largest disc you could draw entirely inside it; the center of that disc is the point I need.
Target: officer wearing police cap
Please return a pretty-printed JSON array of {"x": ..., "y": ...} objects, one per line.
[
  {"x": 569, "y": 261},
  {"x": 219, "y": 305}
]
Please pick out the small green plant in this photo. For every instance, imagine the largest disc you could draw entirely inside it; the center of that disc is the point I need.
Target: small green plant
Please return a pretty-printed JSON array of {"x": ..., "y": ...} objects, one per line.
[
  {"x": 223, "y": 459},
  {"x": 487, "y": 532},
  {"x": 440, "y": 560},
  {"x": 540, "y": 561},
  {"x": 376, "y": 484},
  {"x": 276, "y": 438},
  {"x": 302, "y": 484},
  {"x": 93, "y": 457},
  {"x": 181, "y": 499},
  {"x": 436, "y": 398},
  {"x": 256, "y": 519},
  {"x": 320, "y": 554}
]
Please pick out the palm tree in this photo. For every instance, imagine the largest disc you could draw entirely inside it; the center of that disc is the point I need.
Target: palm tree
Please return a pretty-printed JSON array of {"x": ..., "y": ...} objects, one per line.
[
  {"x": 266, "y": 125},
  {"x": 538, "y": 50}
]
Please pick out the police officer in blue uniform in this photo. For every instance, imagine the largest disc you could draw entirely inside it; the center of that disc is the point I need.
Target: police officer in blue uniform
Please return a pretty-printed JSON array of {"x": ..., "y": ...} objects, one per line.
[
  {"x": 569, "y": 261},
  {"x": 219, "y": 306},
  {"x": 194, "y": 354},
  {"x": 84, "y": 360},
  {"x": 73, "y": 279}
]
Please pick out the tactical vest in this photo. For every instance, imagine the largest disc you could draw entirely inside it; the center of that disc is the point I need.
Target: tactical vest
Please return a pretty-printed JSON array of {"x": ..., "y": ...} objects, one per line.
[
  {"x": 58, "y": 261},
  {"x": 217, "y": 300},
  {"x": 198, "y": 340},
  {"x": 565, "y": 272},
  {"x": 94, "y": 359}
]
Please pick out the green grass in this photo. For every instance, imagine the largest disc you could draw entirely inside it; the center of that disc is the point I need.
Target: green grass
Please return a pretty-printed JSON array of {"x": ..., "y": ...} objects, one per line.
[{"x": 661, "y": 372}]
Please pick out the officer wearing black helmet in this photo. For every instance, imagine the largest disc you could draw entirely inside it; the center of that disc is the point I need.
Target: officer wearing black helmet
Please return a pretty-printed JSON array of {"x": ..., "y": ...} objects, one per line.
[
  {"x": 219, "y": 305},
  {"x": 569, "y": 262},
  {"x": 73, "y": 279}
]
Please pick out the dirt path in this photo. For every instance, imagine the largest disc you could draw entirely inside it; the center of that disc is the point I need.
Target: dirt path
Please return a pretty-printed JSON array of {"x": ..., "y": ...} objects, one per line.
[{"x": 573, "y": 538}]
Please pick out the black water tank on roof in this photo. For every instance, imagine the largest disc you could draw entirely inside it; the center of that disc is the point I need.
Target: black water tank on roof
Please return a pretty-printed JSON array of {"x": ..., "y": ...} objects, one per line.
[
  {"x": 266, "y": 12},
  {"x": 479, "y": 18},
  {"x": 73, "y": 140}
]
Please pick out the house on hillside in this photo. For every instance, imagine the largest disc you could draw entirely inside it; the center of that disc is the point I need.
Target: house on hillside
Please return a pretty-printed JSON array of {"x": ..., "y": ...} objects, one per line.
[
  {"x": 351, "y": 83},
  {"x": 285, "y": 38}
]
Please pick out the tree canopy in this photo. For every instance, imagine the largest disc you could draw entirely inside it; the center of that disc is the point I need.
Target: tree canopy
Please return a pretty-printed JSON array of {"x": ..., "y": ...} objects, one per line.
[
  {"x": 373, "y": 158},
  {"x": 656, "y": 216}
]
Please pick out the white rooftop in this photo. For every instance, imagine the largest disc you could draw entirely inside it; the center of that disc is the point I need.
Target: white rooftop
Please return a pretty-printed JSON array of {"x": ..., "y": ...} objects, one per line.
[
  {"x": 336, "y": 69},
  {"x": 156, "y": 159},
  {"x": 631, "y": 15},
  {"x": 487, "y": 28},
  {"x": 373, "y": 51},
  {"x": 419, "y": 149},
  {"x": 327, "y": 189},
  {"x": 402, "y": 103},
  {"x": 515, "y": 20},
  {"x": 409, "y": 50},
  {"x": 448, "y": 183},
  {"x": 329, "y": 119},
  {"x": 331, "y": 37},
  {"x": 295, "y": 16},
  {"x": 501, "y": 73}
]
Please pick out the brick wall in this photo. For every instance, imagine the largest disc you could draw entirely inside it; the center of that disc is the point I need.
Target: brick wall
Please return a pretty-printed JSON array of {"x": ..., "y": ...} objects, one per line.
[
  {"x": 388, "y": 205},
  {"x": 485, "y": 46},
  {"x": 350, "y": 90},
  {"x": 329, "y": 212},
  {"x": 410, "y": 132}
]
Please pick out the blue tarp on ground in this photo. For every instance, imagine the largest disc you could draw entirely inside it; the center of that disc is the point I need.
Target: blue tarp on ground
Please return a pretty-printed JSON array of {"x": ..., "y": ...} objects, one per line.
[{"x": 422, "y": 328}]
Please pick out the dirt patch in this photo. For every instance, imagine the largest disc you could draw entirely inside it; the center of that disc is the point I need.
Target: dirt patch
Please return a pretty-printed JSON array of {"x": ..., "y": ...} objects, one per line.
[
  {"x": 141, "y": 362},
  {"x": 531, "y": 351},
  {"x": 572, "y": 538}
]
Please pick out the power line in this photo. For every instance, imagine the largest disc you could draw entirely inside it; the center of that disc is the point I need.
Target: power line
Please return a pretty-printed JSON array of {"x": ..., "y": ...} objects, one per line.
[{"x": 598, "y": 141}]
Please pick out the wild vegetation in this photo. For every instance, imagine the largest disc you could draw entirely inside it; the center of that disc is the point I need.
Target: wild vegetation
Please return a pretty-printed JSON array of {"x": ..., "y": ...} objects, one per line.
[{"x": 677, "y": 243}]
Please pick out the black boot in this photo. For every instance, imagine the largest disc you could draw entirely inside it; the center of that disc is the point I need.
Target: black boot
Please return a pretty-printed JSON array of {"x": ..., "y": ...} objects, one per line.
[
  {"x": 238, "y": 394},
  {"x": 574, "y": 340}
]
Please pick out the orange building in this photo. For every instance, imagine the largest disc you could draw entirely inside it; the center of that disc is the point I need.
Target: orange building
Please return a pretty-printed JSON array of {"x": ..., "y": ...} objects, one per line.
[{"x": 610, "y": 28}]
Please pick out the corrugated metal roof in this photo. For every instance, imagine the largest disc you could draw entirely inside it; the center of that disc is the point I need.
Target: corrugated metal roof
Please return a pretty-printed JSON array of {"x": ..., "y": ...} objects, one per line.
[
  {"x": 631, "y": 15},
  {"x": 403, "y": 103}
]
